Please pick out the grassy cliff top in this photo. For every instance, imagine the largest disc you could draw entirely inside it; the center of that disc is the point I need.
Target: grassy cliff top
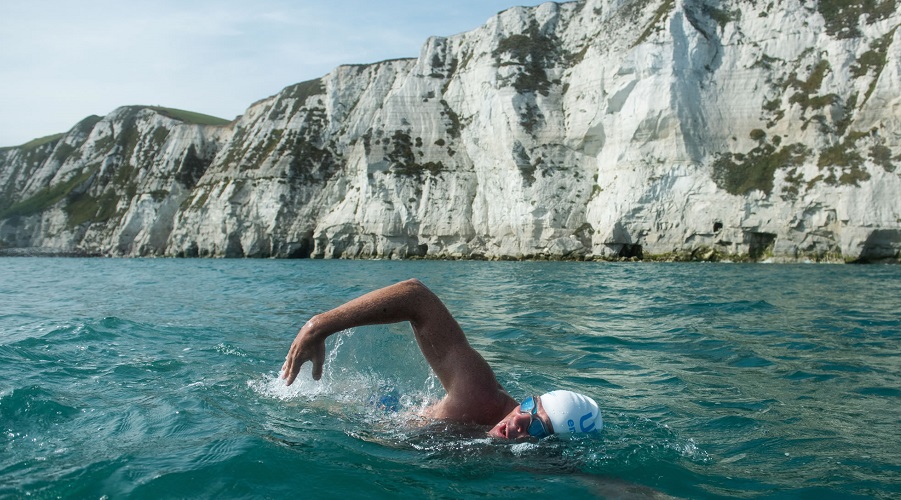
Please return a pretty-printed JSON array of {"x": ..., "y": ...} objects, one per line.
[
  {"x": 190, "y": 116},
  {"x": 34, "y": 143}
]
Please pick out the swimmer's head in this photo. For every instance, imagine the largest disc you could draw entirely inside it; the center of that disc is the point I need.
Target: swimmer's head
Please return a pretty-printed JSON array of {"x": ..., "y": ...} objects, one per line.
[
  {"x": 571, "y": 412},
  {"x": 556, "y": 412}
]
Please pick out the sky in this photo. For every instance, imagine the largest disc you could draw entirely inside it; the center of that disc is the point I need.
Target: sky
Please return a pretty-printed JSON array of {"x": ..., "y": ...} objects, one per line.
[{"x": 61, "y": 61}]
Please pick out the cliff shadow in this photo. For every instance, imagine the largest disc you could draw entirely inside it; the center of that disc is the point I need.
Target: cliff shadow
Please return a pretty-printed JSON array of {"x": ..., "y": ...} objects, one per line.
[{"x": 881, "y": 245}]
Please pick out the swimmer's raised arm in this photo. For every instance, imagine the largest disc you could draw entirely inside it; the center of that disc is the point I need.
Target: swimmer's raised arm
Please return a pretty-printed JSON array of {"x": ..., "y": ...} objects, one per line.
[{"x": 473, "y": 393}]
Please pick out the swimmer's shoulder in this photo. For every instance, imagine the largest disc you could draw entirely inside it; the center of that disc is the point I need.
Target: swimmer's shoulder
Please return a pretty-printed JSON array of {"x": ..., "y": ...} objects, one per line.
[{"x": 480, "y": 410}]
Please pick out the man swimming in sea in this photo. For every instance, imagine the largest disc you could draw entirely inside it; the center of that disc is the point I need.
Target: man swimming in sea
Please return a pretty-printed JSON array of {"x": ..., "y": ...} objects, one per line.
[{"x": 474, "y": 395}]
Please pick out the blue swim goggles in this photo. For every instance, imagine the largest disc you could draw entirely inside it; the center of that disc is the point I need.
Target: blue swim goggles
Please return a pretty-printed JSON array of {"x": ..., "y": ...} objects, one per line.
[{"x": 536, "y": 426}]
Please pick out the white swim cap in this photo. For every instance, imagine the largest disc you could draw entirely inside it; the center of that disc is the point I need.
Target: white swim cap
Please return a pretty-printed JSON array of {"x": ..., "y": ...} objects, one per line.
[{"x": 571, "y": 412}]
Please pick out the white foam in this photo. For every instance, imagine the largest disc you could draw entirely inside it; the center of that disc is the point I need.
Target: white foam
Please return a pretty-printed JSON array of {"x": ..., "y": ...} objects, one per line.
[
  {"x": 522, "y": 448},
  {"x": 275, "y": 387}
]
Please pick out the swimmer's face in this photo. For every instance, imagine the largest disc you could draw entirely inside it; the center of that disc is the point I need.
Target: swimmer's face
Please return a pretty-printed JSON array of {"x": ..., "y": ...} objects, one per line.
[{"x": 516, "y": 424}]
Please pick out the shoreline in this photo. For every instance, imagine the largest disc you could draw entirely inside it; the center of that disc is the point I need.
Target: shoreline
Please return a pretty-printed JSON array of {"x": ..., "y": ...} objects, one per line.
[{"x": 699, "y": 256}]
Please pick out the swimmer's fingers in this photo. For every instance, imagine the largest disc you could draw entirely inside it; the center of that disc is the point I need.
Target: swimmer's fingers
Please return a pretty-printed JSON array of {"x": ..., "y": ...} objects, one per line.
[
  {"x": 293, "y": 361},
  {"x": 318, "y": 360},
  {"x": 303, "y": 349},
  {"x": 289, "y": 373},
  {"x": 287, "y": 376}
]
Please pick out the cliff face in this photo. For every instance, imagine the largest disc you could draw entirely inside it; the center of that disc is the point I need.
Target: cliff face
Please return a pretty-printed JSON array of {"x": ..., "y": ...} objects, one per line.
[{"x": 600, "y": 128}]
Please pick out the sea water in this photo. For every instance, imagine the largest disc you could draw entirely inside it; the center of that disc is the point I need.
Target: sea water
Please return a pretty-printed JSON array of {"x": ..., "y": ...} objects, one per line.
[{"x": 159, "y": 378}]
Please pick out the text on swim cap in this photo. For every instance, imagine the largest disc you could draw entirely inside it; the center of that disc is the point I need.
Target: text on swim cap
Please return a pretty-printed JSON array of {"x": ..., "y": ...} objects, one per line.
[{"x": 589, "y": 417}]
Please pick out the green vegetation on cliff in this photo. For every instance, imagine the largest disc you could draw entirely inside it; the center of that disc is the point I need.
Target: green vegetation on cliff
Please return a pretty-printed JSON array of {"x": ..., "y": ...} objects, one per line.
[
  {"x": 532, "y": 51},
  {"x": 740, "y": 173},
  {"x": 842, "y": 15},
  {"x": 190, "y": 117},
  {"x": 47, "y": 197},
  {"x": 36, "y": 143}
]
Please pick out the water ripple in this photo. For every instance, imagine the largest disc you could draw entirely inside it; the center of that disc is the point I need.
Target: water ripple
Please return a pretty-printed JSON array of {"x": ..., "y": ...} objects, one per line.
[{"x": 715, "y": 381}]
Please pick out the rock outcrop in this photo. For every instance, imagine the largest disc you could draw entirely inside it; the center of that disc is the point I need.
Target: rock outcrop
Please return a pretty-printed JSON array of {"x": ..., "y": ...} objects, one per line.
[{"x": 697, "y": 129}]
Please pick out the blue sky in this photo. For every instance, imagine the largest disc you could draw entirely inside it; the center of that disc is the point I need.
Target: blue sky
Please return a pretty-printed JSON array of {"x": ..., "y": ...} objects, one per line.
[{"x": 62, "y": 61}]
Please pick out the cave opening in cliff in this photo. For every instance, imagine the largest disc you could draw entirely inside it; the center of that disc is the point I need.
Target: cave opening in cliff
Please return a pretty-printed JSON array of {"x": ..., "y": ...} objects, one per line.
[
  {"x": 628, "y": 251},
  {"x": 303, "y": 249},
  {"x": 760, "y": 244}
]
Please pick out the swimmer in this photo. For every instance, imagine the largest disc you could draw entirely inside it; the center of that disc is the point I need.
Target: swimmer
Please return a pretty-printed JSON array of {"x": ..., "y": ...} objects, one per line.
[{"x": 474, "y": 395}]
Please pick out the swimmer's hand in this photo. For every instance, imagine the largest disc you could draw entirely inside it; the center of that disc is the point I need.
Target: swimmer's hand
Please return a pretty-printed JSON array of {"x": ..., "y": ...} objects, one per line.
[{"x": 307, "y": 346}]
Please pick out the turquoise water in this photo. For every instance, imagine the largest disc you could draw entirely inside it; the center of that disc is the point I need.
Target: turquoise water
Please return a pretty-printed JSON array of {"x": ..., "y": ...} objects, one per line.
[{"x": 158, "y": 378}]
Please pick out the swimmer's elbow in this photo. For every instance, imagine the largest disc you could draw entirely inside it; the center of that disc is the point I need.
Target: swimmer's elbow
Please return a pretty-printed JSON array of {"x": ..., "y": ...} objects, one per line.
[
  {"x": 421, "y": 296},
  {"x": 416, "y": 286}
]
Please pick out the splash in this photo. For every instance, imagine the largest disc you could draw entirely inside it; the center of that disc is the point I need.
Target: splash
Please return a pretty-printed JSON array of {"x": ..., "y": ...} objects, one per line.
[
  {"x": 351, "y": 380},
  {"x": 304, "y": 387}
]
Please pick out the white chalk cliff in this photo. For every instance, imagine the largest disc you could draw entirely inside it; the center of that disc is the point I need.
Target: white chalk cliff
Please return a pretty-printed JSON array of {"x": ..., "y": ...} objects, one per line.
[{"x": 593, "y": 129}]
